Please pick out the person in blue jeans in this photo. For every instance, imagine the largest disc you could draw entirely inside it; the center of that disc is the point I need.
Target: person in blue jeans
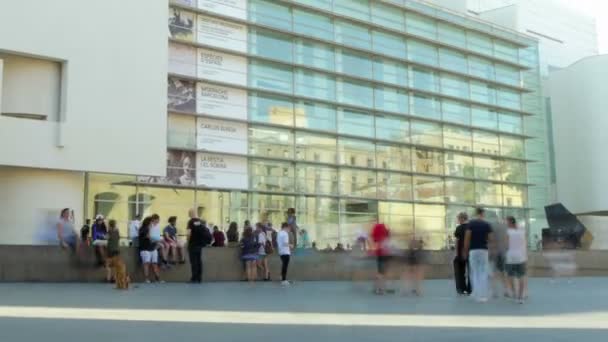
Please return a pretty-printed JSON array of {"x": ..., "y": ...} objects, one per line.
[{"x": 478, "y": 238}]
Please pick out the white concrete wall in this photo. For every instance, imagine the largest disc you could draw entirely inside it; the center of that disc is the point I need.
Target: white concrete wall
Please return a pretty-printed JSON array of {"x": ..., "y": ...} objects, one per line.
[
  {"x": 579, "y": 102},
  {"x": 114, "y": 56},
  {"x": 31, "y": 199}
]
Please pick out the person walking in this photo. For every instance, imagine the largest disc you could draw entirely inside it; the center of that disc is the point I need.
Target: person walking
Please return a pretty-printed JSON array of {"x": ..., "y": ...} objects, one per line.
[
  {"x": 380, "y": 238},
  {"x": 477, "y": 239},
  {"x": 198, "y": 237},
  {"x": 284, "y": 251},
  {"x": 263, "y": 251},
  {"x": 113, "y": 251},
  {"x": 516, "y": 258},
  {"x": 461, "y": 265},
  {"x": 249, "y": 253}
]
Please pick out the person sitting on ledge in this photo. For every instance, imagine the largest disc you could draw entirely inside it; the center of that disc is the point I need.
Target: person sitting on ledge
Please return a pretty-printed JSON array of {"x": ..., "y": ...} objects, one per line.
[
  {"x": 233, "y": 233},
  {"x": 218, "y": 238}
]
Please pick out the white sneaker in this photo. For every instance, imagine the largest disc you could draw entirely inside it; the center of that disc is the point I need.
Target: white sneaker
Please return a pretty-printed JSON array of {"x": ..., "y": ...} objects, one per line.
[
  {"x": 285, "y": 283},
  {"x": 148, "y": 281}
]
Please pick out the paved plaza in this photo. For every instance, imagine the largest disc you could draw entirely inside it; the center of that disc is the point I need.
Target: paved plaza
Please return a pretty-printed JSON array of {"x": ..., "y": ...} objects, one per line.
[{"x": 308, "y": 311}]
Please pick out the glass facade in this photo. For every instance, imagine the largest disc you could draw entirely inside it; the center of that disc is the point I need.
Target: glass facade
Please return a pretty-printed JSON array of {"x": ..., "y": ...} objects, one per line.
[{"x": 347, "y": 111}]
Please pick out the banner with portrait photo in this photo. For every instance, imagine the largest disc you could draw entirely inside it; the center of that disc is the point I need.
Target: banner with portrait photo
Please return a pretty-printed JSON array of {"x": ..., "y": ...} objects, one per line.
[
  {"x": 181, "y": 24},
  {"x": 181, "y": 95},
  {"x": 221, "y": 136},
  {"x": 222, "y": 102},
  {"x": 182, "y": 59},
  {"x": 230, "y": 8},
  {"x": 221, "y": 171},
  {"x": 181, "y": 170},
  {"x": 221, "y": 33},
  {"x": 221, "y": 67}
]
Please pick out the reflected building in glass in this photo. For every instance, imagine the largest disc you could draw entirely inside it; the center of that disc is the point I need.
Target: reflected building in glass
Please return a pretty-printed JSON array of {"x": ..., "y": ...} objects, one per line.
[{"x": 347, "y": 111}]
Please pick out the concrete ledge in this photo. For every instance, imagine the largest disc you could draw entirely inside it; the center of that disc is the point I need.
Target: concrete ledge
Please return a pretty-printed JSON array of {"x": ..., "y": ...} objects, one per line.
[{"x": 52, "y": 264}]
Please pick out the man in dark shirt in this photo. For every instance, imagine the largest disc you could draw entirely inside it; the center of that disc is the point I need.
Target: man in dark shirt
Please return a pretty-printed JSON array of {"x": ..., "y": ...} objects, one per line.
[
  {"x": 198, "y": 237},
  {"x": 461, "y": 271},
  {"x": 477, "y": 239}
]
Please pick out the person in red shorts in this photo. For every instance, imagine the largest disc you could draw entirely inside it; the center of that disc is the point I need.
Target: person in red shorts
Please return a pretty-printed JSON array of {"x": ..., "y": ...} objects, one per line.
[{"x": 380, "y": 240}]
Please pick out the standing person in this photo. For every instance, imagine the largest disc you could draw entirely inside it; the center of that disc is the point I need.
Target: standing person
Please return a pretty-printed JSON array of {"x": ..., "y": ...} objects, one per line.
[
  {"x": 461, "y": 265},
  {"x": 284, "y": 251},
  {"x": 414, "y": 275},
  {"x": 380, "y": 238},
  {"x": 172, "y": 245},
  {"x": 304, "y": 241},
  {"x": 100, "y": 239},
  {"x": 476, "y": 241},
  {"x": 249, "y": 253},
  {"x": 198, "y": 237},
  {"x": 218, "y": 238},
  {"x": 66, "y": 234},
  {"x": 233, "y": 232},
  {"x": 134, "y": 230},
  {"x": 113, "y": 250},
  {"x": 264, "y": 250},
  {"x": 85, "y": 232},
  {"x": 293, "y": 225},
  {"x": 148, "y": 251},
  {"x": 157, "y": 238},
  {"x": 497, "y": 257},
  {"x": 516, "y": 258}
]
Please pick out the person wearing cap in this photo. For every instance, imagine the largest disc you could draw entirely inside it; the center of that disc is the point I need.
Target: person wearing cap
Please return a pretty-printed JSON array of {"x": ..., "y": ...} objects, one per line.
[{"x": 100, "y": 238}]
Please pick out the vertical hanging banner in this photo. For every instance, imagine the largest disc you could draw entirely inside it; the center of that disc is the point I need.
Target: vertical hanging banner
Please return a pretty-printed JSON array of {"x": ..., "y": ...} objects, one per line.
[
  {"x": 222, "y": 34},
  {"x": 221, "y": 101},
  {"x": 221, "y": 136},
  {"x": 221, "y": 171},
  {"x": 182, "y": 60},
  {"x": 229, "y": 8},
  {"x": 181, "y": 95},
  {"x": 222, "y": 67},
  {"x": 181, "y": 24}
]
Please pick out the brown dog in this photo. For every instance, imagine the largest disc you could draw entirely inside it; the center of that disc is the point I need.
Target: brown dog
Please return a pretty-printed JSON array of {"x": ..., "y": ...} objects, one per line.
[{"x": 120, "y": 273}]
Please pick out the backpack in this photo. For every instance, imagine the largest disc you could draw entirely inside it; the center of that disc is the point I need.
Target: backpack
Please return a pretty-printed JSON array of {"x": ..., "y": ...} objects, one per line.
[{"x": 268, "y": 248}]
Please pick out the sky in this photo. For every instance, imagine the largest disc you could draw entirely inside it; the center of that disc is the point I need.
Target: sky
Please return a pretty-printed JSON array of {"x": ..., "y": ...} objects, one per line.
[{"x": 599, "y": 10}]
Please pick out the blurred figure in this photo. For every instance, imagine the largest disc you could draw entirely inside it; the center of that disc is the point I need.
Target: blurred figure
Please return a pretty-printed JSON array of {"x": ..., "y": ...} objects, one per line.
[
  {"x": 304, "y": 240},
  {"x": 198, "y": 237},
  {"x": 339, "y": 248},
  {"x": 233, "y": 232},
  {"x": 65, "y": 230},
  {"x": 414, "y": 271},
  {"x": 100, "y": 239},
  {"x": 265, "y": 248},
  {"x": 249, "y": 253},
  {"x": 516, "y": 259},
  {"x": 171, "y": 244},
  {"x": 85, "y": 232},
  {"x": 134, "y": 230},
  {"x": 477, "y": 238},
  {"x": 361, "y": 242},
  {"x": 461, "y": 264},
  {"x": 218, "y": 238},
  {"x": 113, "y": 250},
  {"x": 284, "y": 247},
  {"x": 148, "y": 251},
  {"x": 498, "y": 251},
  {"x": 380, "y": 238},
  {"x": 293, "y": 225}
]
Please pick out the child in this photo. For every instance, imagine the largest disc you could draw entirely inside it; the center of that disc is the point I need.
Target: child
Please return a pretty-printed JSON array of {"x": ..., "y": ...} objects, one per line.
[{"x": 116, "y": 265}]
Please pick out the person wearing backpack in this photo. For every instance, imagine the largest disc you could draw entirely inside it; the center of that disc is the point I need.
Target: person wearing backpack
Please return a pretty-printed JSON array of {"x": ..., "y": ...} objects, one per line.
[
  {"x": 265, "y": 250},
  {"x": 198, "y": 237}
]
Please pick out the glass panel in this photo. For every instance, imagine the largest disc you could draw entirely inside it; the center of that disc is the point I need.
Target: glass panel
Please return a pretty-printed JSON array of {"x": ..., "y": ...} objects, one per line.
[
  {"x": 270, "y": 13},
  {"x": 509, "y": 99},
  {"x": 426, "y": 106},
  {"x": 514, "y": 171},
  {"x": 315, "y": 55},
  {"x": 424, "y": 79},
  {"x": 387, "y": 16},
  {"x": 456, "y": 112},
  {"x": 428, "y": 189},
  {"x": 316, "y": 147},
  {"x": 314, "y": 179},
  {"x": 319, "y": 217},
  {"x": 270, "y": 109},
  {"x": 452, "y": 60},
  {"x": 481, "y": 68},
  {"x": 483, "y": 117},
  {"x": 422, "y": 53},
  {"x": 488, "y": 168},
  {"x": 484, "y": 142},
  {"x": 512, "y": 147},
  {"x": 515, "y": 195},
  {"x": 482, "y": 92},
  {"x": 390, "y": 72},
  {"x": 354, "y": 8},
  {"x": 312, "y": 24},
  {"x": 456, "y": 138},
  {"x": 511, "y": 123},
  {"x": 181, "y": 131},
  {"x": 506, "y": 51},
  {"x": 355, "y": 93},
  {"x": 315, "y": 85},
  {"x": 270, "y": 76},
  {"x": 421, "y": 26},
  {"x": 322, "y": 4},
  {"x": 452, "y": 34},
  {"x": 165, "y": 203},
  {"x": 271, "y": 176},
  {"x": 356, "y": 152},
  {"x": 358, "y": 183},
  {"x": 391, "y": 100},
  {"x": 392, "y": 128},
  {"x": 270, "y": 207},
  {"x": 389, "y": 44},
  {"x": 479, "y": 43},
  {"x": 454, "y": 86},
  {"x": 271, "y": 142},
  {"x": 353, "y": 63},
  {"x": 488, "y": 194},
  {"x": 112, "y": 200},
  {"x": 400, "y": 220},
  {"x": 393, "y": 157},
  {"x": 238, "y": 206},
  {"x": 458, "y": 165},
  {"x": 355, "y": 123},
  {"x": 316, "y": 116},
  {"x": 355, "y": 217},
  {"x": 426, "y": 133},
  {"x": 507, "y": 74},
  {"x": 430, "y": 226},
  {"x": 270, "y": 45},
  {"x": 460, "y": 191},
  {"x": 353, "y": 35},
  {"x": 394, "y": 186},
  {"x": 428, "y": 161}
]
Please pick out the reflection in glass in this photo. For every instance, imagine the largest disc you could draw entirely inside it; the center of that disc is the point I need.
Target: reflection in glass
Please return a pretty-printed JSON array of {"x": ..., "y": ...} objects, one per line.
[
  {"x": 320, "y": 217},
  {"x": 315, "y": 116},
  {"x": 400, "y": 220},
  {"x": 460, "y": 191},
  {"x": 392, "y": 128},
  {"x": 315, "y": 85},
  {"x": 355, "y": 123},
  {"x": 265, "y": 75},
  {"x": 512, "y": 147},
  {"x": 428, "y": 189},
  {"x": 430, "y": 225},
  {"x": 271, "y": 109},
  {"x": 314, "y": 179},
  {"x": 269, "y": 44},
  {"x": 458, "y": 165},
  {"x": 393, "y": 157},
  {"x": 316, "y": 147},
  {"x": 356, "y": 152},
  {"x": 271, "y": 142},
  {"x": 488, "y": 168},
  {"x": 390, "y": 72},
  {"x": 456, "y": 138},
  {"x": 428, "y": 161},
  {"x": 426, "y": 133},
  {"x": 358, "y": 183},
  {"x": 488, "y": 193},
  {"x": 394, "y": 186},
  {"x": 313, "y": 54},
  {"x": 271, "y": 176},
  {"x": 484, "y": 142},
  {"x": 391, "y": 100}
]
